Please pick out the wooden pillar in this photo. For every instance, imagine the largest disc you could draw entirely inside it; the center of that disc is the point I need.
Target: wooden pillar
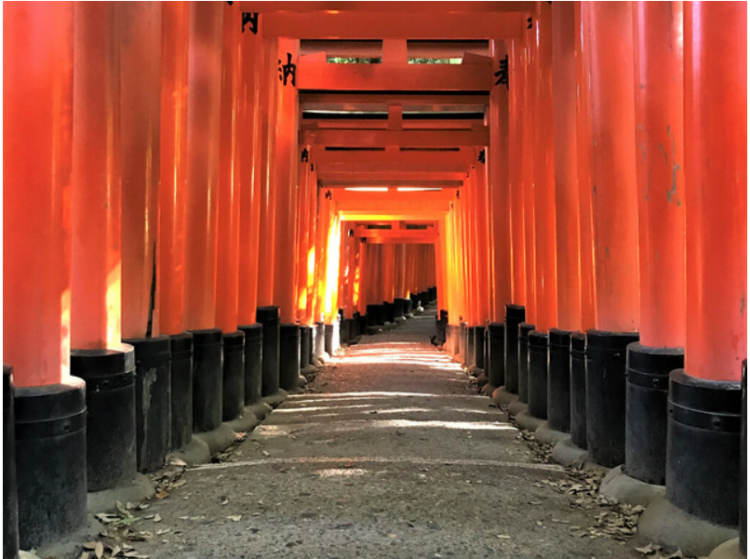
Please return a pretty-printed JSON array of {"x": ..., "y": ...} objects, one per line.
[
  {"x": 229, "y": 189},
  {"x": 613, "y": 166},
  {"x": 583, "y": 149},
  {"x": 266, "y": 243},
  {"x": 37, "y": 149},
  {"x": 170, "y": 275},
  {"x": 528, "y": 75},
  {"x": 716, "y": 188},
  {"x": 140, "y": 83},
  {"x": 250, "y": 163},
  {"x": 284, "y": 179},
  {"x": 303, "y": 233},
  {"x": 204, "y": 103},
  {"x": 96, "y": 183},
  {"x": 566, "y": 168},
  {"x": 516, "y": 108}
]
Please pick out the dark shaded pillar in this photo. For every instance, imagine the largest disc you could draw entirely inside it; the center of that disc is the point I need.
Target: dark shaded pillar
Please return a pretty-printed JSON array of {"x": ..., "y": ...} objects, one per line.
[
  {"x": 514, "y": 315},
  {"x": 233, "y": 385},
  {"x": 51, "y": 465},
  {"x": 181, "y": 390},
  {"x": 558, "y": 381},
  {"x": 537, "y": 374},
  {"x": 253, "y": 362},
  {"x": 10, "y": 489},
  {"x": 524, "y": 329},
  {"x": 647, "y": 389},
  {"x": 208, "y": 379},
  {"x": 269, "y": 318},
  {"x": 110, "y": 423},
  {"x": 289, "y": 357},
  {"x": 578, "y": 390},
  {"x": 153, "y": 401},
  {"x": 605, "y": 395}
]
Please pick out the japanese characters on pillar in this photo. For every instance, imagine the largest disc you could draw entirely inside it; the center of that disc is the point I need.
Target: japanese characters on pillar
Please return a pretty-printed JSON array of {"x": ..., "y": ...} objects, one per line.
[
  {"x": 499, "y": 187},
  {"x": 283, "y": 175},
  {"x": 37, "y": 150},
  {"x": 715, "y": 188},
  {"x": 250, "y": 163}
]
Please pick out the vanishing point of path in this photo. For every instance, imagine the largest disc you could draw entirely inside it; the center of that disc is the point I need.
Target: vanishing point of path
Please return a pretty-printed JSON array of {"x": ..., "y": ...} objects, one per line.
[{"x": 391, "y": 454}]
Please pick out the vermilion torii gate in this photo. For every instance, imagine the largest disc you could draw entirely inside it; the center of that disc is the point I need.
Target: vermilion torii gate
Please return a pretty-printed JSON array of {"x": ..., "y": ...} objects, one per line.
[{"x": 201, "y": 199}]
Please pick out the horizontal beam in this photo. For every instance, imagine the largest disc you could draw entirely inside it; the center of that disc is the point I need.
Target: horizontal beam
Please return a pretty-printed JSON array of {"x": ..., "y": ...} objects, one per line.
[
  {"x": 424, "y": 23},
  {"x": 386, "y": 77},
  {"x": 432, "y": 124},
  {"x": 415, "y": 101},
  {"x": 374, "y": 49},
  {"x": 406, "y": 160},
  {"x": 427, "y": 240},
  {"x": 383, "y": 176},
  {"x": 403, "y": 138},
  {"x": 365, "y": 200},
  {"x": 439, "y": 7}
]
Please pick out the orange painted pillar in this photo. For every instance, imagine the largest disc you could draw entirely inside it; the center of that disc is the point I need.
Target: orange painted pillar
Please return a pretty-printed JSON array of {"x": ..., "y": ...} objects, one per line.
[
  {"x": 267, "y": 102},
  {"x": 312, "y": 253},
  {"x": 498, "y": 163},
  {"x": 516, "y": 108},
  {"x": 566, "y": 167},
  {"x": 204, "y": 96},
  {"x": 228, "y": 235},
  {"x": 483, "y": 232},
  {"x": 545, "y": 268},
  {"x": 613, "y": 167},
  {"x": 250, "y": 163},
  {"x": 716, "y": 188},
  {"x": 583, "y": 153},
  {"x": 528, "y": 77},
  {"x": 96, "y": 191},
  {"x": 614, "y": 193},
  {"x": 140, "y": 71},
  {"x": 172, "y": 168},
  {"x": 37, "y": 111},
  {"x": 303, "y": 233},
  {"x": 284, "y": 179}
]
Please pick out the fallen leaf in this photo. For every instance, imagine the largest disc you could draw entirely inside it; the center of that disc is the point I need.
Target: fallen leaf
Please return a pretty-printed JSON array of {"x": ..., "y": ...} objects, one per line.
[
  {"x": 157, "y": 518},
  {"x": 235, "y": 518},
  {"x": 99, "y": 550}
]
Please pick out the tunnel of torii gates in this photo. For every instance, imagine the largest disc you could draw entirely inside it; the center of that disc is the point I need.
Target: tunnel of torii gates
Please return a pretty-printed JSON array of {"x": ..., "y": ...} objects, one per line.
[{"x": 201, "y": 199}]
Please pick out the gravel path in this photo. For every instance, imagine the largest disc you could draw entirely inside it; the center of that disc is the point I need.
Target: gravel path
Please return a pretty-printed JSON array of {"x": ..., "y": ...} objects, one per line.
[{"x": 391, "y": 454}]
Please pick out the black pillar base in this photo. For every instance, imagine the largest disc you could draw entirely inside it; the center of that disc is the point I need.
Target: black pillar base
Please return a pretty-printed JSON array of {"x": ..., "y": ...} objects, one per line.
[
  {"x": 253, "y": 362},
  {"x": 398, "y": 308},
  {"x": 523, "y": 361},
  {"x": 51, "y": 466},
  {"x": 514, "y": 316},
  {"x": 110, "y": 403},
  {"x": 578, "y": 390},
  {"x": 320, "y": 340},
  {"x": 703, "y": 447},
  {"x": 558, "y": 381},
  {"x": 743, "y": 466},
  {"x": 441, "y": 327},
  {"x": 605, "y": 395},
  {"x": 372, "y": 316},
  {"x": 380, "y": 314},
  {"x": 289, "y": 357},
  {"x": 496, "y": 354},
  {"x": 181, "y": 386},
  {"x": 305, "y": 346},
  {"x": 479, "y": 347},
  {"x": 450, "y": 340},
  {"x": 233, "y": 385},
  {"x": 208, "y": 378},
  {"x": 463, "y": 342},
  {"x": 153, "y": 414},
  {"x": 408, "y": 307},
  {"x": 390, "y": 313},
  {"x": 537, "y": 374},
  {"x": 269, "y": 318},
  {"x": 470, "y": 358},
  {"x": 647, "y": 388},
  {"x": 10, "y": 489}
]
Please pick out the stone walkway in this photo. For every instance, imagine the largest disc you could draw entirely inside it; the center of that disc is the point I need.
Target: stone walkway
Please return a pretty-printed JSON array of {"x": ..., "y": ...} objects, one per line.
[{"x": 391, "y": 454}]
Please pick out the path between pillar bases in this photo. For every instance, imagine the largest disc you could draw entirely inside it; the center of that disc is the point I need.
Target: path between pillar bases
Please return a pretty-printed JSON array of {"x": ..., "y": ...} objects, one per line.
[{"x": 391, "y": 454}]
